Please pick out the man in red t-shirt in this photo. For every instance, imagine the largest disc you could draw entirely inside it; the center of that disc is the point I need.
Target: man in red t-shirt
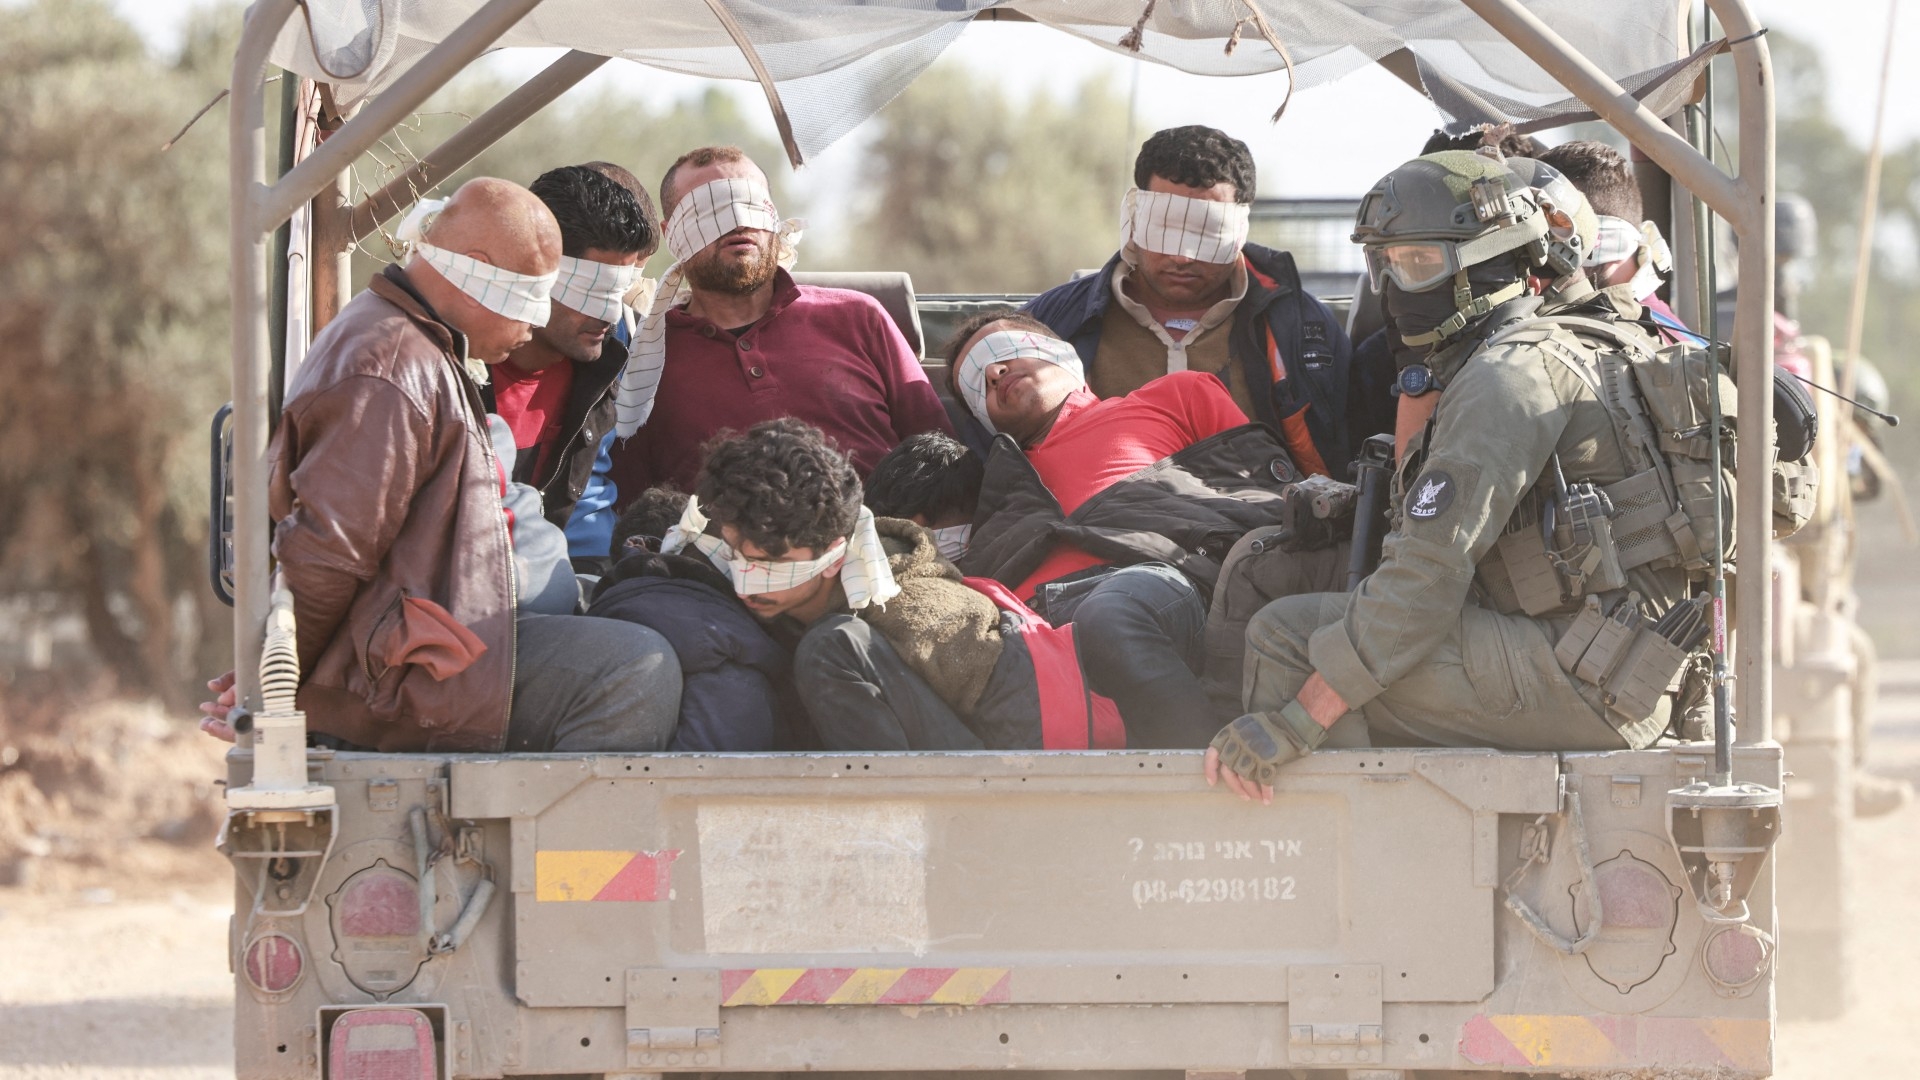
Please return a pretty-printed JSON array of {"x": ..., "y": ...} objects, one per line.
[
  {"x": 555, "y": 392},
  {"x": 1104, "y": 513}
]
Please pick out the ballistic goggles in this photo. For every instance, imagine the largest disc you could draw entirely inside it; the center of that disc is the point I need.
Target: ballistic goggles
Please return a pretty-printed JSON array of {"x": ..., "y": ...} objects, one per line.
[{"x": 1419, "y": 265}]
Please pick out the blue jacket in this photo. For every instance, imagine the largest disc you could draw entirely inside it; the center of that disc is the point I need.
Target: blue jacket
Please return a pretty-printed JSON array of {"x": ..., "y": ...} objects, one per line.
[
  {"x": 733, "y": 676},
  {"x": 1320, "y": 402},
  {"x": 590, "y": 526}
]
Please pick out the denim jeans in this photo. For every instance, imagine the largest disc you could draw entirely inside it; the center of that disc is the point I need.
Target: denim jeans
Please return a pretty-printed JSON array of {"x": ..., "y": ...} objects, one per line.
[{"x": 1140, "y": 631}]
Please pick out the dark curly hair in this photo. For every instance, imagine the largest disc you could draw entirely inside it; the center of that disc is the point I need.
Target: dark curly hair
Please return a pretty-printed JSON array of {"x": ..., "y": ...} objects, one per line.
[
  {"x": 1198, "y": 157},
  {"x": 781, "y": 485},
  {"x": 625, "y": 178},
  {"x": 1602, "y": 174},
  {"x": 650, "y": 515},
  {"x": 594, "y": 212},
  {"x": 930, "y": 474}
]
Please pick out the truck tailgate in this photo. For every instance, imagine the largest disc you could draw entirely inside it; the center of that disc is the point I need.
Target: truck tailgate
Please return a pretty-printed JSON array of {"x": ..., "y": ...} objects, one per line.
[{"x": 682, "y": 888}]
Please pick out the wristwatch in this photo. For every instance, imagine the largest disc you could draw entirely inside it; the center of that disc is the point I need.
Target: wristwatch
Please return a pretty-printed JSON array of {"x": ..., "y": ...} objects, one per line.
[{"x": 1414, "y": 380}]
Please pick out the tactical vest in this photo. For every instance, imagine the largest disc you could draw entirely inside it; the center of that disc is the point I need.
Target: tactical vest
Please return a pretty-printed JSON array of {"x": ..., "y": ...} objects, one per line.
[
  {"x": 1624, "y": 560},
  {"x": 1662, "y": 514}
]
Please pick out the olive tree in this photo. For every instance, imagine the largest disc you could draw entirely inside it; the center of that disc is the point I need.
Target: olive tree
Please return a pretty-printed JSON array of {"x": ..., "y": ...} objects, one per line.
[
  {"x": 974, "y": 190},
  {"x": 112, "y": 343}
]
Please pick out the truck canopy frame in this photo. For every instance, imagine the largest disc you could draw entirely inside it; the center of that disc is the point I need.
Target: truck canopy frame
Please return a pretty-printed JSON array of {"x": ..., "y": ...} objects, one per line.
[{"x": 386, "y": 96}]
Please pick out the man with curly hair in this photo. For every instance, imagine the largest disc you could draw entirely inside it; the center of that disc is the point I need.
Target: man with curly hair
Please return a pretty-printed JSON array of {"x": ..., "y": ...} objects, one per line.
[
  {"x": 893, "y": 650},
  {"x": 1188, "y": 292}
]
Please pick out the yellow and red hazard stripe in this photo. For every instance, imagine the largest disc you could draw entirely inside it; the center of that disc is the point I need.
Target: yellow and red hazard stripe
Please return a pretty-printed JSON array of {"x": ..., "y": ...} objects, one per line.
[
  {"x": 1597, "y": 1041},
  {"x": 864, "y": 986},
  {"x": 603, "y": 875}
]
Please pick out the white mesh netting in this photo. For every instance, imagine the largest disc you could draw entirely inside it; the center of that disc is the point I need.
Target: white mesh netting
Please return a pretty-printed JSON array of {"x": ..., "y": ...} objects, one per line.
[{"x": 836, "y": 62}]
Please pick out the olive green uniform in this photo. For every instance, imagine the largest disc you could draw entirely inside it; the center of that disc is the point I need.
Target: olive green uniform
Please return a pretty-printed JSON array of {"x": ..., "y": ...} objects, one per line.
[{"x": 1426, "y": 648}]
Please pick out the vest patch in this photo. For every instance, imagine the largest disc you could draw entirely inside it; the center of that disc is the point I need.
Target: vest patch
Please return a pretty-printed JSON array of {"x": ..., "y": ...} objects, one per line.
[{"x": 1432, "y": 494}]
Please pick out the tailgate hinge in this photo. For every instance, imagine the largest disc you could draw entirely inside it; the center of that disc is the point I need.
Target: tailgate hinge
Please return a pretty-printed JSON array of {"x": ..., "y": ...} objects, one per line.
[
  {"x": 670, "y": 1009},
  {"x": 1333, "y": 1014}
]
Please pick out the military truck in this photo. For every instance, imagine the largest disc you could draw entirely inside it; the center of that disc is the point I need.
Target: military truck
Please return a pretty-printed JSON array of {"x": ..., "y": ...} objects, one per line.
[{"x": 1396, "y": 912}]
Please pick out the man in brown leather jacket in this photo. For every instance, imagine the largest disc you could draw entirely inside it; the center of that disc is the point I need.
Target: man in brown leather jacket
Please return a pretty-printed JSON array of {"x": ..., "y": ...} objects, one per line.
[{"x": 389, "y": 527}]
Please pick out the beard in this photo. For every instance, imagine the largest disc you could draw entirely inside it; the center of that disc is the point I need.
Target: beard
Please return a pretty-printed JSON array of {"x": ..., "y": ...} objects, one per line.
[{"x": 709, "y": 271}]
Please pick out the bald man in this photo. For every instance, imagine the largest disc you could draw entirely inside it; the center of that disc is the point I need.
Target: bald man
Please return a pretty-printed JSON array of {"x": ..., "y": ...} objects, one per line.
[{"x": 390, "y": 528}]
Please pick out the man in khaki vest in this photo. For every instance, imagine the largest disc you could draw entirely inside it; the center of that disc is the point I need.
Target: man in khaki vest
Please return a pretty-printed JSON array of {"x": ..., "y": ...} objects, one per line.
[{"x": 1186, "y": 291}]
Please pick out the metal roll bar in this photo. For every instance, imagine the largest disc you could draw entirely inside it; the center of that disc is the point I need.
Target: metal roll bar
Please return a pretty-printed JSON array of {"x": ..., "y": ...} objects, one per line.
[{"x": 1746, "y": 201}]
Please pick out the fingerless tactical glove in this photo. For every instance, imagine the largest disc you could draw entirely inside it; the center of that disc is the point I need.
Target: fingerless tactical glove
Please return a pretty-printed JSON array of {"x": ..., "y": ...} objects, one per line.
[{"x": 1257, "y": 744}]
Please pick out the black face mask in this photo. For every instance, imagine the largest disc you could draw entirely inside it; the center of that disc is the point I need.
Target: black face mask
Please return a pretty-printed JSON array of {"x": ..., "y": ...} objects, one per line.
[{"x": 1412, "y": 314}]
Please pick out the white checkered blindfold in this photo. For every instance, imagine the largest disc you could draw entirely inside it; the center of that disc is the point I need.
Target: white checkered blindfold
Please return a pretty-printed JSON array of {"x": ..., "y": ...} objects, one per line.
[
  {"x": 1621, "y": 239},
  {"x": 523, "y": 298},
  {"x": 1004, "y": 345},
  {"x": 715, "y": 209},
  {"x": 1167, "y": 224},
  {"x": 1618, "y": 238},
  {"x": 864, "y": 574},
  {"x": 595, "y": 289}
]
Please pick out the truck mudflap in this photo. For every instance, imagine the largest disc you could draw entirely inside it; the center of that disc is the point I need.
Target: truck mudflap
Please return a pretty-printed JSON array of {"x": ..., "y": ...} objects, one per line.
[{"x": 1085, "y": 911}]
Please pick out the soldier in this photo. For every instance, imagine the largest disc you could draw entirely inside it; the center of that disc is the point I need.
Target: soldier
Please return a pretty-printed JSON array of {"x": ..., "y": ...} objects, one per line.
[{"x": 1498, "y": 558}]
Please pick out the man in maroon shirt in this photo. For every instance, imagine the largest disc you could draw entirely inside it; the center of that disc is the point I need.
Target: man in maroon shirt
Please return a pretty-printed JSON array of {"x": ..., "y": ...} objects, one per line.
[{"x": 748, "y": 344}]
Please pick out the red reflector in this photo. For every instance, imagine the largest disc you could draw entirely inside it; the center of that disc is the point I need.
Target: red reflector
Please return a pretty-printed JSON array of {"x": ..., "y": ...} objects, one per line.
[
  {"x": 1736, "y": 958},
  {"x": 273, "y": 964},
  {"x": 381, "y": 1044}
]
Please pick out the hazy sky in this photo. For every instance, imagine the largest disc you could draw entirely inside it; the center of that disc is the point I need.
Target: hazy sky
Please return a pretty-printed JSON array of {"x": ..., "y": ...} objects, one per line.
[{"x": 1335, "y": 139}]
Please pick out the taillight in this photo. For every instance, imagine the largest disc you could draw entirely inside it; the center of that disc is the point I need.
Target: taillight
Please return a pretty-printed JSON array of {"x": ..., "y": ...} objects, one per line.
[
  {"x": 381, "y": 1044},
  {"x": 380, "y": 902},
  {"x": 376, "y": 929},
  {"x": 274, "y": 963}
]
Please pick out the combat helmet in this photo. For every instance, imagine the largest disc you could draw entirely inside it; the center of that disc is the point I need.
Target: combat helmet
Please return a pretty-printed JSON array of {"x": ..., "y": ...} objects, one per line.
[
  {"x": 1438, "y": 216},
  {"x": 1572, "y": 226}
]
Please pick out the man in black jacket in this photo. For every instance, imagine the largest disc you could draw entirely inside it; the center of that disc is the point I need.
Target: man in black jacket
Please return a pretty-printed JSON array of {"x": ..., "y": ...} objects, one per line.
[
  {"x": 735, "y": 687},
  {"x": 555, "y": 392},
  {"x": 1186, "y": 292}
]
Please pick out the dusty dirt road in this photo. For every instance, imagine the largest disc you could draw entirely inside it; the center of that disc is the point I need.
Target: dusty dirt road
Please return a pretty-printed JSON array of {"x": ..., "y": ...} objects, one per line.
[{"x": 117, "y": 987}]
